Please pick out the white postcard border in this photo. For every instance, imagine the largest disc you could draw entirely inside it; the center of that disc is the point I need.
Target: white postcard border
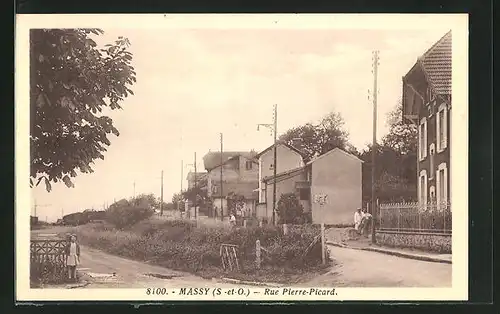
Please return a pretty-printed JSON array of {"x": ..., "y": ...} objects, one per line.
[{"x": 458, "y": 23}]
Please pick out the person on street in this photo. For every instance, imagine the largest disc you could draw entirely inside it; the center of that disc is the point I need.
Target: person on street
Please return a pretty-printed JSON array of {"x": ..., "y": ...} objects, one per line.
[
  {"x": 232, "y": 220},
  {"x": 358, "y": 217},
  {"x": 366, "y": 220},
  {"x": 72, "y": 257}
]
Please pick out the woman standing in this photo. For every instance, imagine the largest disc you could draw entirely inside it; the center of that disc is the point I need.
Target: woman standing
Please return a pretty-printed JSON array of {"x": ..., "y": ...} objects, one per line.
[{"x": 72, "y": 257}]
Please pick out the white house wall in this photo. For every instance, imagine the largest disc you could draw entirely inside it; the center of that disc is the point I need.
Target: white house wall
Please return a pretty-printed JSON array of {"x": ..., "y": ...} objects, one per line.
[
  {"x": 288, "y": 159},
  {"x": 335, "y": 188}
]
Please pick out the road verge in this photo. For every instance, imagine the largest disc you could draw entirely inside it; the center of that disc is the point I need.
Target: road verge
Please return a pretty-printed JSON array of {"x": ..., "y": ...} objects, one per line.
[{"x": 421, "y": 257}]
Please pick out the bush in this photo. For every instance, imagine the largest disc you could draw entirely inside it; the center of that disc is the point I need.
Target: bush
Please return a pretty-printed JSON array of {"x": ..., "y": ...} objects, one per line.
[
  {"x": 126, "y": 214},
  {"x": 180, "y": 244},
  {"x": 289, "y": 209}
]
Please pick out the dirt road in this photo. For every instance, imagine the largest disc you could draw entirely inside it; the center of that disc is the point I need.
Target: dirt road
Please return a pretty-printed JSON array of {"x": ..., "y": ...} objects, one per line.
[
  {"x": 356, "y": 268},
  {"x": 103, "y": 270}
]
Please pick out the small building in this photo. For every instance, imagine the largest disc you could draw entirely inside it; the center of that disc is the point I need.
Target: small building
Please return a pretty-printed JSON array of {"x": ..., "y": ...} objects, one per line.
[
  {"x": 329, "y": 186},
  {"x": 200, "y": 177},
  {"x": 427, "y": 104},
  {"x": 240, "y": 175}
]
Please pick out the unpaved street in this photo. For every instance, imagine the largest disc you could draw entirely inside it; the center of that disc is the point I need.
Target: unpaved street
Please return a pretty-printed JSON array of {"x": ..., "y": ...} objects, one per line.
[
  {"x": 98, "y": 268},
  {"x": 356, "y": 268}
]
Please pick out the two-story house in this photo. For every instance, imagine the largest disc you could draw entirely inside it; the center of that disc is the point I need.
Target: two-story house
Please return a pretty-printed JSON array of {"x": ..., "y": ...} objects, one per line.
[
  {"x": 427, "y": 103},
  {"x": 288, "y": 158},
  {"x": 240, "y": 174}
]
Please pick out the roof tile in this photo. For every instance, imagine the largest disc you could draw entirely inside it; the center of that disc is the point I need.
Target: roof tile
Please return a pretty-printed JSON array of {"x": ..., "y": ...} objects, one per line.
[{"x": 437, "y": 62}]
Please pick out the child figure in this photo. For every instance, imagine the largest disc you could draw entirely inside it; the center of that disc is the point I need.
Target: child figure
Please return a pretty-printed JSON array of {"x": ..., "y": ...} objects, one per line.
[{"x": 72, "y": 257}]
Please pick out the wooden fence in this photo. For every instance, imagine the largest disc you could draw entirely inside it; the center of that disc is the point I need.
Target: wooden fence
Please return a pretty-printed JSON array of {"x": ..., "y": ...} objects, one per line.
[
  {"x": 415, "y": 218},
  {"x": 229, "y": 257},
  {"x": 48, "y": 260}
]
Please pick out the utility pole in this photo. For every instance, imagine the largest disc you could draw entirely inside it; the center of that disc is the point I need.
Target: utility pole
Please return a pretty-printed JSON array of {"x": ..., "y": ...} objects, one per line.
[
  {"x": 374, "y": 145},
  {"x": 195, "y": 188},
  {"x": 36, "y": 205},
  {"x": 182, "y": 179},
  {"x": 275, "y": 162},
  {"x": 274, "y": 129},
  {"x": 221, "y": 190},
  {"x": 161, "y": 195}
]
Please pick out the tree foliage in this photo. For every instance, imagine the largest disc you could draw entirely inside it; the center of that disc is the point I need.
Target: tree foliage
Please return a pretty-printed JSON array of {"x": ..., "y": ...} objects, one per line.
[
  {"x": 316, "y": 139},
  {"x": 395, "y": 162},
  {"x": 178, "y": 201},
  {"x": 71, "y": 82},
  {"x": 289, "y": 209},
  {"x": 402, "y": 137},
  {"x": 126, "y": 213}
]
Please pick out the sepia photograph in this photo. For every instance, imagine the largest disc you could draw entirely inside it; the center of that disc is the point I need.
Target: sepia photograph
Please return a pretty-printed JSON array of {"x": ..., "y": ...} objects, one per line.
[{"x": 241, "y": 157}]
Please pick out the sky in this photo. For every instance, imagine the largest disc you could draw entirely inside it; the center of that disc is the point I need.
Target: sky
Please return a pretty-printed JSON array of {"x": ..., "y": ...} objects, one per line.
[{"x": 193, "y": 84}]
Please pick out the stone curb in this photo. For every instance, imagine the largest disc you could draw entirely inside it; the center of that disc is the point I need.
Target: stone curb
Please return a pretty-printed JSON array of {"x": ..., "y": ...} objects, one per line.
[
  {"x": 395, "y": 253},
  {"x": 251, "y": 283}
]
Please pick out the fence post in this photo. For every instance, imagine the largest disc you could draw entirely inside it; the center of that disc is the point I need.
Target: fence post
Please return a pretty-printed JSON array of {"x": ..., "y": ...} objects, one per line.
[
  {"x": 444, "y": 220},
  {"x": 285, "y": 229},
  {"x": 323, "y": 255},
  {"x": 399, "y": 215},
  {"x": 257, "y": 254},
  {"x": 419, "y": 218}
]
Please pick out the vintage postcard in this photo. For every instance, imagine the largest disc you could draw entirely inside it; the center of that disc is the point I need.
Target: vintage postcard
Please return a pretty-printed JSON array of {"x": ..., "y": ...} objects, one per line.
[{"x": 241, "y": 157}]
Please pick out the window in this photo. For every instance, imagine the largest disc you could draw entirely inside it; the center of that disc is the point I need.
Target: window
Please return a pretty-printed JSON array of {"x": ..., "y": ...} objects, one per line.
[
  {"x": 441, "y": 127},
  {"x": 422, "y": 139},
  {"x": 248, "y": 165},
  {"x": 422, "y": 187},
  {"x": 431, "y": 155},
  {"x": 305, "y": 194},
  {"x": 432, "y": 193},
  {"x": 442, "y": 183}
]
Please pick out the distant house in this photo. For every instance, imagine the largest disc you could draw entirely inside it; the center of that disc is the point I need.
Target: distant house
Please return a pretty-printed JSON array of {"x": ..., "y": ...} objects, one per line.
[
  {"x": 427, "y": 103},
  {"x": 240, "y": 175},
  {"x": 201, "y": 179},
  {"x": 329, "y": 186}
]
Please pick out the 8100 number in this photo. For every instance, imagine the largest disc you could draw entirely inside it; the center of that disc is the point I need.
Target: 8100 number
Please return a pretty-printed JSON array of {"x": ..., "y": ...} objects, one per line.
[{"x": 156, "y": 291}]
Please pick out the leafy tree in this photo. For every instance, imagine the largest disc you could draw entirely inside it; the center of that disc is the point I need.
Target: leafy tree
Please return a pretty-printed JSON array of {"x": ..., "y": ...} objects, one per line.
[
  {"x": 289, "y": 209},
  {"x": 71, "y": 82},
  {"x": 316, "y": 139},
  {"x": 396, "y": 162},
  {"x": 402, "y": 137},
  {"x": 146, "y": 200},
  {"x": 201, "y": 196},
  {"x": 178, "y": 201},
  {"x": 235, "y": 202}
]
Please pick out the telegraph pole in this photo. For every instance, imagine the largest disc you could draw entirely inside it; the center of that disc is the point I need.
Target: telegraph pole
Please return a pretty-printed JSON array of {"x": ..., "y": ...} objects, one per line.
[
  {"x": 182, "y": 178},
  {"x": 195, "y": 188},
  {"x": 274, "y": 129},
  {"x": 36, "y": 205},
  {"x": 374, "y": 145},
  {"x": 221, "y": 161},
  {"x": 182, "y": 172},
  {"x": 161, "y": 195},
  {"x": 275, "y": 114}
]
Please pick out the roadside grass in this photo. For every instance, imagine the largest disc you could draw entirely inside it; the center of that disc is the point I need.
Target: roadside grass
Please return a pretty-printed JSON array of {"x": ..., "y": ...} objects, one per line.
[{"x": 183, "y": 245}]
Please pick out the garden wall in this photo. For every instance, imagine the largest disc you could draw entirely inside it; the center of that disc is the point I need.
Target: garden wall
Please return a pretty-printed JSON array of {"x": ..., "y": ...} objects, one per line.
[{"x": 432, "y": 242}]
